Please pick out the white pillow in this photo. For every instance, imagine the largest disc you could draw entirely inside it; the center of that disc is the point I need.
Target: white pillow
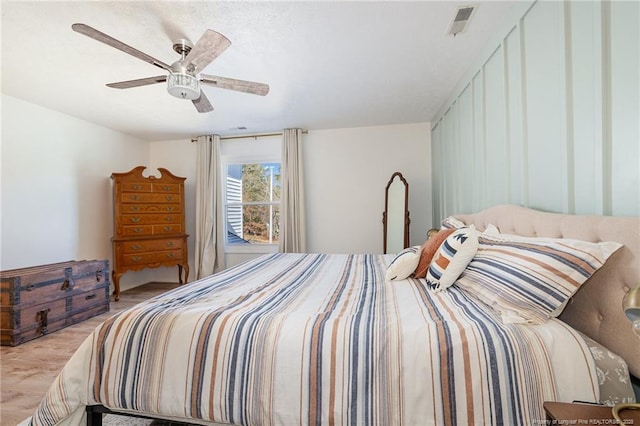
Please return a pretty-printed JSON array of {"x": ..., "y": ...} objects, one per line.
[
  {"x": 452, "y": 258},
  {"x": 403, "y": 264}
]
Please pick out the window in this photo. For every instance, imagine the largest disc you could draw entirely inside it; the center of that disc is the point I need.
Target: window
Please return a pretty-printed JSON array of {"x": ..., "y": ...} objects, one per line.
[{"x": 252, "y": 203}]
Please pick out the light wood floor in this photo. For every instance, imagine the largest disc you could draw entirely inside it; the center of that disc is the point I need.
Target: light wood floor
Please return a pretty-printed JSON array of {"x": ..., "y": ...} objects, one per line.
[{"x": 27, "y": 370}]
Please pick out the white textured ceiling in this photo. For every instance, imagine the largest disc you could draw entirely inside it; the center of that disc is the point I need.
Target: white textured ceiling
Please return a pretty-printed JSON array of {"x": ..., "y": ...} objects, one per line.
[{"x": 329, "y": 64}]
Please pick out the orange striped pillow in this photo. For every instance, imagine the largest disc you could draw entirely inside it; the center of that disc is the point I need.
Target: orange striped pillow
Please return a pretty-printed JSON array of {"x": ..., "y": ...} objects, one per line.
[{"x": 428, "y": 250}]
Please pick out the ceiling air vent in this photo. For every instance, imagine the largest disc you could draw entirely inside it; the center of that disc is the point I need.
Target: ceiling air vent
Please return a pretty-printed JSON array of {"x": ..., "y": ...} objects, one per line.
[{"x": 463, "y": 15}]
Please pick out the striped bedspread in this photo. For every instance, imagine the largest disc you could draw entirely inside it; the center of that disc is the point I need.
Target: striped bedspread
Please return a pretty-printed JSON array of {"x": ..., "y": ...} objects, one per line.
[{"x": 291, "y": 339}]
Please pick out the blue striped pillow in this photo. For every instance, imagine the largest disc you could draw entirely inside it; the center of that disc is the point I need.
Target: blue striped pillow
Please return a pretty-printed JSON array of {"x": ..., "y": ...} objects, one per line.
[{"x": 528, "y": 279}]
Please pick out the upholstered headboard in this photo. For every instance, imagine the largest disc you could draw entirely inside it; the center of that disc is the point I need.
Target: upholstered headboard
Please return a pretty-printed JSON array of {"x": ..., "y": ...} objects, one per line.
[{"x": 596, "y": 309}]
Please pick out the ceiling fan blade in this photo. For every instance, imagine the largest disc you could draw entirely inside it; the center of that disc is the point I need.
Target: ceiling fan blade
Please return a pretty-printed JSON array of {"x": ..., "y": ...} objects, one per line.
[
  {"x": 209, "y": 47},
  {"x": 140, "y": 82},
  {"x": 202, "y": 104},
  {"x": 237, "y": 85},
  {"x": 106, "y": 39}
]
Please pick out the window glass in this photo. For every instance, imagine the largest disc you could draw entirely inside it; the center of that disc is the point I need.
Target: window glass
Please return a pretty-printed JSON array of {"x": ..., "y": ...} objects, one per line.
[{"x": 252, "y": 203}]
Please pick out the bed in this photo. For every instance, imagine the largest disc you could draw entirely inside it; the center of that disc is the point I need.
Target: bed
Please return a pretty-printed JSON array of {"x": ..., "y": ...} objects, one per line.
[{"x": 327, "y": 339}]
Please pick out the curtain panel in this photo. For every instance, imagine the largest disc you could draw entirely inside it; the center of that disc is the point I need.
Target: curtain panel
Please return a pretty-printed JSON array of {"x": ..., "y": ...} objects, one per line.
[
  {"x": 292, "y": 214},
  {"x": 209, "y": 245}
]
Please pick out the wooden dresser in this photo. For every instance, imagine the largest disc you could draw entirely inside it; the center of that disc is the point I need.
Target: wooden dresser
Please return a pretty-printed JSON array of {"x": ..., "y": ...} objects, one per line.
[{"x": 149, "y": 226}]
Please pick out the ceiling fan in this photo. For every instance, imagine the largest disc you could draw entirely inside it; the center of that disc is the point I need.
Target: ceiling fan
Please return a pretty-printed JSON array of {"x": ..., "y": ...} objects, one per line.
[{"x": 183, "y": 80}]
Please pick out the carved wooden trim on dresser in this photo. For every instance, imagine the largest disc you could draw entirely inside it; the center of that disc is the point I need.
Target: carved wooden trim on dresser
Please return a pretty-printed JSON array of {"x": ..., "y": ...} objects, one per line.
[{"x": 149, "y": 224}]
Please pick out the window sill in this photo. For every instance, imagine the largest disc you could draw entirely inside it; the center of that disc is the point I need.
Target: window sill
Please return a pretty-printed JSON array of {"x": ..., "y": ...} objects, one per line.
[{"x": 251, "y": 248}]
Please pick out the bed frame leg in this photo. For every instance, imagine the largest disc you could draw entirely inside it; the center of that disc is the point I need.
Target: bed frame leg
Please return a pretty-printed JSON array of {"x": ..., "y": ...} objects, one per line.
[{"x": 94, "y": 417}]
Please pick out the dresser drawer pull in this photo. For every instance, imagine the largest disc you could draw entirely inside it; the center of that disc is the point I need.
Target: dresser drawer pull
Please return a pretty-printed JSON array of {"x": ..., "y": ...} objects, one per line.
[
  {"x": 138, "y": 230},
  {"x": 135, "y": 208},
  {"x": 134, "y": 197},
  {"x": 136, "y": 219},
  {"x": 171, "y": 255},
  {"x": 166, "y": 188},
  {"x": 137, "y": 187},
  {"x": 99, "y": 275},
  {"x": 170, "y": 244},
  {"x": 169, "y": 197},
  {"x": 168, "y": 219},
  {"x": 136, "y": 258},
  {"x": 169, "y": 208},
  {"x": 168, "y": 228},
  {"x": 89, "y": 297},
  {"x": 136, "y": 247}
]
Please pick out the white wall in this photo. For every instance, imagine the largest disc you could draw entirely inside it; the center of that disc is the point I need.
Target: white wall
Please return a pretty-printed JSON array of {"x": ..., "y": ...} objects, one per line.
[
  {"x": 56, "y": 200},
  {"x": 56, "y": 191},
  {"x": 550, "y": 118},
  {"x": 179, "y": 157},
  {"x": 346, "y": 171}
]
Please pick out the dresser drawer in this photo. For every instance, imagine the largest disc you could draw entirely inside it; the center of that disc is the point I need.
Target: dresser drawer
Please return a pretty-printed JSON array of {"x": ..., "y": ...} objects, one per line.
[
  {"x": 132, "y": 197},
  {"x": 136, "y": 230},
  {"x": 150, "y": 208},
  {"x": 136, "y": 186},
  {"x": 142, "y": 230},
  {"x": 165, "y": 187},
  {"x": 152, "y": 258},
  {"x": 167, "y": 229},
  {"x": 151, "y": 219},
  {"x": 152, "y": 245}
]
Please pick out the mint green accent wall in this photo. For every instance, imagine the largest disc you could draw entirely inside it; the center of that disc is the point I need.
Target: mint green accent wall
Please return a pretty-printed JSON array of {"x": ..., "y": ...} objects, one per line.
[{"x": 549, "y": 119}]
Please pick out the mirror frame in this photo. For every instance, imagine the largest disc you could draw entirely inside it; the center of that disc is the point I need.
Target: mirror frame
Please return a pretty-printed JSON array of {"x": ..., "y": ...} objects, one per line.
[{"x": 407, "y": 220}]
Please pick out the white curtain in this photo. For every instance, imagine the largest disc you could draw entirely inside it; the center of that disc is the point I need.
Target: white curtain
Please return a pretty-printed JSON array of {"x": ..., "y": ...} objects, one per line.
[
  {"x": 292, "y": 217},
  {"x": 209, "y": 247}
]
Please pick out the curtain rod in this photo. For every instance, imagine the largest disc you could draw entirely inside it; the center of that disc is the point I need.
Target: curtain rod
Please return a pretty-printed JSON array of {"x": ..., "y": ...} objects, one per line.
[{"x": 253, "y": 135}]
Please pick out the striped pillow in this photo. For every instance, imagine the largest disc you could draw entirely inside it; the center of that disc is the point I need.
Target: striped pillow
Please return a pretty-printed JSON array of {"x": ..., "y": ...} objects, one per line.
[
  {"x": 403, "y": 264},
  {"x": 452, "y": 257},
  {"x": 528, "y": 279},
  {"x": 452, "y": 223}
]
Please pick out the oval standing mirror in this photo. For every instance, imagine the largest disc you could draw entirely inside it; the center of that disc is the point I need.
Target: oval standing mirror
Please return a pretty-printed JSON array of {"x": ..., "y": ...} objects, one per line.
[{"x": 395, "y": 218}]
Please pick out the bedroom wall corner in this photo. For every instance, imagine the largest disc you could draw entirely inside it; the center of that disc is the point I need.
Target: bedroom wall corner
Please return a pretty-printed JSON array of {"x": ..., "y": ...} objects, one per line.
[
  {"x": 56, "y": 189},
  {"x": 346, "y": 171},
  {"x": 549, "y": 118}
]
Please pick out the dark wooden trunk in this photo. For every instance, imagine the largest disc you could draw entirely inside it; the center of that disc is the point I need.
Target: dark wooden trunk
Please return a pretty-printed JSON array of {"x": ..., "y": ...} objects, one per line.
[{"x": 42, "y": 299}]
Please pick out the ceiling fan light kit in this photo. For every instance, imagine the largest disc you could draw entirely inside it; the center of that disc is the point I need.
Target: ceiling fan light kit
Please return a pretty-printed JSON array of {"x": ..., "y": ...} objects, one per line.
[
  {"x": 182, "y": 81},
  {"x": 183, "y": 86}
]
